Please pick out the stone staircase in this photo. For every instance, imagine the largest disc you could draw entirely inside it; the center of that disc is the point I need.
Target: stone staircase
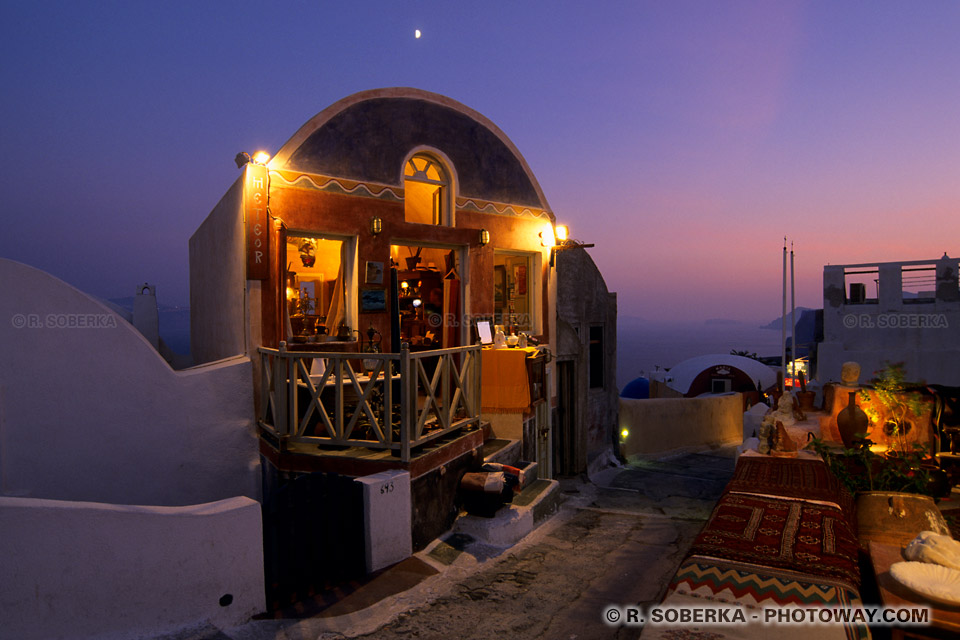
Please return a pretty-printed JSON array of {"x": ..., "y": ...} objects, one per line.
[{"x": 538, "y": 500}]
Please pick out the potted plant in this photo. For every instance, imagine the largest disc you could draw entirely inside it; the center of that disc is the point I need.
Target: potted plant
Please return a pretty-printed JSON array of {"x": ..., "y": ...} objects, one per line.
[
  {"x": 859, "y": 469},
  {"x": 895, "y": 497},
  {"x": 892, "y": 401}
]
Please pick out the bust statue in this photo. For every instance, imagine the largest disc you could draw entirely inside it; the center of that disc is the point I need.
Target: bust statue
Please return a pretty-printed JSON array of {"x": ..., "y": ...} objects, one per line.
[{"x": 850, "y": 374}]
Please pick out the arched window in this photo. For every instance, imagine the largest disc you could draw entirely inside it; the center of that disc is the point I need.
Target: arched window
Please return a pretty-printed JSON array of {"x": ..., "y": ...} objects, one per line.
[{"x": 425, "y": 185}]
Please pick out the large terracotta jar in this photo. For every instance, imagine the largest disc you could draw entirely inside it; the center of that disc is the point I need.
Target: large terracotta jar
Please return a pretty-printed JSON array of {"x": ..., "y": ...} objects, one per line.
[{"x": 851, "y": 421}]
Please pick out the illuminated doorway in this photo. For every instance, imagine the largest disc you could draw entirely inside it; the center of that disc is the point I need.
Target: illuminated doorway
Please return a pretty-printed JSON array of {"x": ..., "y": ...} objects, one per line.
[{"x": 430, "y": 295}]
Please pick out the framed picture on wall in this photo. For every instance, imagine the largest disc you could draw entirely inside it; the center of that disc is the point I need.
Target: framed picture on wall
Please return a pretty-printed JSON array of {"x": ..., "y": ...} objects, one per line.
[
  {"x": 373, "y": 300},
  {"x": 520, "y": 279},
  {"x": 373, "y": 273}
]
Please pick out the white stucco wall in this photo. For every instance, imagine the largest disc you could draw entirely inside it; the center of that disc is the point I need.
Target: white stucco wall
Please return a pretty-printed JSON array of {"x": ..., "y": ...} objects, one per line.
[
  {"x": 88, "y": 570},
  {"x": 924, "y": 336},
  {"x": 217, "y": 278},
  {"x": 90, "y": 411},
  {"x": 666, "y": 425}
]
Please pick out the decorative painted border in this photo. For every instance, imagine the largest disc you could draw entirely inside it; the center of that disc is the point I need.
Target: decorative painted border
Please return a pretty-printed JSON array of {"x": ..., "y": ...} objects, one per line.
[
  {"x": 340, "y": 186},
  {"x": 343, "y": 186},
  {"x": 500, "y": 209}
]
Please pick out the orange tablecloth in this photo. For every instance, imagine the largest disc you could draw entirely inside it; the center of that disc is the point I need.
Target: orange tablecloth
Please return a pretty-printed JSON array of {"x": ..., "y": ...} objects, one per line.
[{"x": 505, "y": 387}]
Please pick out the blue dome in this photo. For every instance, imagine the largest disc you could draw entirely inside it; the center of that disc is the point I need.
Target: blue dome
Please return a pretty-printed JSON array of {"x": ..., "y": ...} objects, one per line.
[{"x": 638, "y": 388}]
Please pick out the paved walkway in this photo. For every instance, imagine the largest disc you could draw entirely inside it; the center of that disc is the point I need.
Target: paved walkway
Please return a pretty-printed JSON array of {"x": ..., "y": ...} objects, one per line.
[{"x": 616, "y": 540}]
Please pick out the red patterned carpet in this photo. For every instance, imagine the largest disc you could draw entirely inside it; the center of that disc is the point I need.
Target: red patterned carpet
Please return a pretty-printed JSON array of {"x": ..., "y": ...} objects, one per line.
[{"x": 784, "y": 533}]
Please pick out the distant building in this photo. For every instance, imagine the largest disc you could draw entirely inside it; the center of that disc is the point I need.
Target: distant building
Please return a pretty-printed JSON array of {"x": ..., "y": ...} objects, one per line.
[
  {"x": 882, "y": 312},
  {"x": 715, "y": 373}
]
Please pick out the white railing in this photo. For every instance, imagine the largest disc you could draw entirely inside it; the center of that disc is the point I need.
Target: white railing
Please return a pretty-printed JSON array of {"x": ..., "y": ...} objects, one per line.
[{"x": 394, "y": 401}]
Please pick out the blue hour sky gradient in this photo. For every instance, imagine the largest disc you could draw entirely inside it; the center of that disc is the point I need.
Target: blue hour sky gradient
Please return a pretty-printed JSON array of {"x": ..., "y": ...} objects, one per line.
[{"x": 683, "y": 138}]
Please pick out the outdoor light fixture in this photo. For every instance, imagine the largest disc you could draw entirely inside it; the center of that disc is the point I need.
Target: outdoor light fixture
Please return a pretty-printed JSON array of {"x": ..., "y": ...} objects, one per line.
[
  {"x": 484, "y": 237},
  {"x": 561, "y": 232},
  {"x": 376, "y": 226},
  {"x": 260, "y": 157},
  {"x": 560, "y": 241}
]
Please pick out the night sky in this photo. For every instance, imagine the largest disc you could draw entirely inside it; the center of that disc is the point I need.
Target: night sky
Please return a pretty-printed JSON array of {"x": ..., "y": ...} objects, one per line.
[{"x": 684, "y": 139}]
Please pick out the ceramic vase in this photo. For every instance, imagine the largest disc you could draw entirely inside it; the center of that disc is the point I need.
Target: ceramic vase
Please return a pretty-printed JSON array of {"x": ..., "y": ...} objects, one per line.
[{"x": 851, "y": 421}]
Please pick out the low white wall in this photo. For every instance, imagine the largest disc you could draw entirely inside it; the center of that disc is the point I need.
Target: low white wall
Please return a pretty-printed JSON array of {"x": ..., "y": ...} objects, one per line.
[
  {"x": 88, "y": 570},
  {"x": 90, "y": 411},
  {"x": 663, "y": 425}
]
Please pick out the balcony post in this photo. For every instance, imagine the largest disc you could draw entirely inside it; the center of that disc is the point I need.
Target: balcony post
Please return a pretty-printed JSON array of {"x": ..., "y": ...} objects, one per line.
[
  {"x": 280, "y": 396},
  {"x": 408, "y": 401}
]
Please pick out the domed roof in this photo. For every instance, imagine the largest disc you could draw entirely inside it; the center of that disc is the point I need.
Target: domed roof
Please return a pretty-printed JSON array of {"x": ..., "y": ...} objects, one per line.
[
  {"x": 367, "y": 137},
  {"x": 682, "y": 375},
  {"x": 638, "y": 388}
]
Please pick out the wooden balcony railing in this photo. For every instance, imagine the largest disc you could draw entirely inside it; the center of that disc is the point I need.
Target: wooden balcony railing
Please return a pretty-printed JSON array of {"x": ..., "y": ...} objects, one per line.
[{"x": 394, "y": 401}]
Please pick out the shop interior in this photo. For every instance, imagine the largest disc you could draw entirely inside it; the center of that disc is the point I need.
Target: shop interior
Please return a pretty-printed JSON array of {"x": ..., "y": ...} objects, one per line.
[
  {"x": 512, "y": 306},
  {"x": 429, "y": 295},
  {"x": 316, "y": 297}
]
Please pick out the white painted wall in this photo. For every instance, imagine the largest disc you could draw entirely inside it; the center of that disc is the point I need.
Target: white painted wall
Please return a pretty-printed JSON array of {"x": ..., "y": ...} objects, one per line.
[
  {"x": 667, "y": 425},
  {"x": 217, "y": 277},
  {"x": 87, "y": 570},
  {"x": 90, "y": 411},
  {"x": 925, "y": 337}
]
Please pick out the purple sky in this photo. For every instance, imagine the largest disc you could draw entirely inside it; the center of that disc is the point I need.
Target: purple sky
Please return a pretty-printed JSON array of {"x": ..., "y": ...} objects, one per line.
[{"x": 684, "y": 139}]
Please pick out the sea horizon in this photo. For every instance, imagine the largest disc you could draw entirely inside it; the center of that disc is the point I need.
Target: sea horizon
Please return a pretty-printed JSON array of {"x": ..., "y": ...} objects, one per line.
[{"x": 643, "y": 346}]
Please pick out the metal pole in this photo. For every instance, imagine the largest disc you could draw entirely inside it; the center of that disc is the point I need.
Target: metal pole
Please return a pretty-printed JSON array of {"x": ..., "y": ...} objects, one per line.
[
  {"x": 793, "y": 321},
  {"x": 783, "y": 323}
]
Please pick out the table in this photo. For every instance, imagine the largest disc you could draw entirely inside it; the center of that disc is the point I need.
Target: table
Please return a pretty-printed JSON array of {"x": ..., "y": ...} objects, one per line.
[
  {"x": 945, "y": 621},
  {"x": 504, "y": 379}
]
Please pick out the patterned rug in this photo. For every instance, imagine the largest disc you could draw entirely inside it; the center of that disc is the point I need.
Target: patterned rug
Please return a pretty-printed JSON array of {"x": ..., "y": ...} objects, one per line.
[
  {"x": 811, "y": 539},
  {"x": 723, "y": 581},
  {"x": 792, "y": 478}
]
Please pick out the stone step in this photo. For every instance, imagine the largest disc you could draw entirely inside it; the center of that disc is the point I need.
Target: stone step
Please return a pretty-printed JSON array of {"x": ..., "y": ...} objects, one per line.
[
  {"x": 512, "y": 522},
  {"x": 502, "y": 450}
]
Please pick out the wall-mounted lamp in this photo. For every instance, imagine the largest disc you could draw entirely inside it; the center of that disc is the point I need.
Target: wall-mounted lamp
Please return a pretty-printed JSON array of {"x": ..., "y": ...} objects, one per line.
[
  {"x": 376, "y": 226},
  {"x": 561, "y": 232},
  {"x": 560, "y": 241},
  {"x": 484, "y": 237},
  {"x": 260, "y": 157}
]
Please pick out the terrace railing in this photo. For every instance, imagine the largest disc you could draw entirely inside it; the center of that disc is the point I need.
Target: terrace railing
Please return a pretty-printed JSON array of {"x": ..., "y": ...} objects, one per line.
[{"x": 395, "y": 401}]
